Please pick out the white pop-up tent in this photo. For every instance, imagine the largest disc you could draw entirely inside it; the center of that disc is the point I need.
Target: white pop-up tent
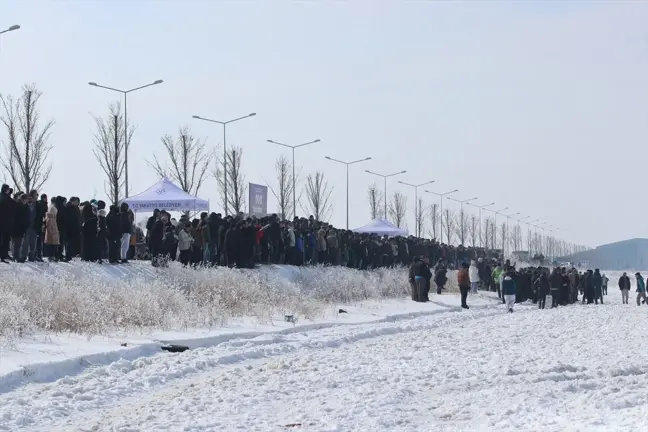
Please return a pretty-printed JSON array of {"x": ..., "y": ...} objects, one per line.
[
  {"x": 164, "y": 195},
  {"x": 382, "y": 228}
]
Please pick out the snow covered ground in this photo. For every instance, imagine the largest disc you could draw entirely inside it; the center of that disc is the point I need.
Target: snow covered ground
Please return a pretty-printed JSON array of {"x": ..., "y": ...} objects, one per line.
[{"x": 577, "y": 368}]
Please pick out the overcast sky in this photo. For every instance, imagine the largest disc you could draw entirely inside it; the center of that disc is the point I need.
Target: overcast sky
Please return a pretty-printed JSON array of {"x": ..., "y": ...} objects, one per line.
[{"x": 539, "y": 107}]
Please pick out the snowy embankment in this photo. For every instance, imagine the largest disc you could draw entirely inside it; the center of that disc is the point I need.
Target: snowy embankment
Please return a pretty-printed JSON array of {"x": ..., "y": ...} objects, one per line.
[
  {"x": 568, "y": 369},
  {"x": 57, "y": 319}
]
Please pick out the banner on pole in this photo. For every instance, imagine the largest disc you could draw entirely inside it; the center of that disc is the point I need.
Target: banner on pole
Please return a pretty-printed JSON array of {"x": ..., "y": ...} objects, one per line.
[{"x": 258, "y": 200}]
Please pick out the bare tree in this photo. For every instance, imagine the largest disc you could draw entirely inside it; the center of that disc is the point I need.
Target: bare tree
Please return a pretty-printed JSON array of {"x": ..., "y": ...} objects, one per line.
[
  {"x": 419, "y": 218},
  {"x": 487, "y": 234},
  {"x": 516, "y": 238},
  {"x": 449, "y": 221},
  {"x": 110, "y": 150},
  {"x": 318, "y": 197},
  {"x": 285, "y": 188},
  {"x": 375, "y": 201},
  {"x": 234, "y": 177},
  {"x": 473, "y": 229},
  {"x": 435, "y": 218},
  {"x": 27, "y": 148},
  {"x": 503, "y": 236},
  {"x": 397, "y": 209},
  {"x": 462, "y": 227},
  {"x": 188, "y": 161}
]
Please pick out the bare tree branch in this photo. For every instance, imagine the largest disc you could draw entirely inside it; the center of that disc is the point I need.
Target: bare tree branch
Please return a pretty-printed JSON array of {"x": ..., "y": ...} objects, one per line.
[
  {"x": 318, "y": 197},
  {"x": 473, "y": 229},
  {"x": 285, "y": 188},
  {"x": 462, "y": 227},
  {"x": 449, "y": 221},
  {"x": 27, "y": 148},
  {"x": 109, "y": 150},
  {"x": 234, "y": 177},
  {"x": 376, "y": 204},
  {"x": 188, "y": 161},
  {"x": 419, "y": 218},
  {"x": 397, "y": 209},
  {"x": 435, "y": 218}
]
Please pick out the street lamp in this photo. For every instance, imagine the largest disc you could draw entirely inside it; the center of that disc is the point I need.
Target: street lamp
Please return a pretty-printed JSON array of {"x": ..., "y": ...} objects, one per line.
[
  {"x": 224, "y": 123},
  {"x": 507, "y": 238},
  {"x": 442, "y": 195},
  {"x": 385, "y": 177},
  {"x": 126, "y": 144},
  {"x": 347, "y": 180},
  {"x": 481, "y": 237},
  {"x": 294, "y": 183},
  {"x": 416, "y": 225},
  {"x": 12, "y": 28}
]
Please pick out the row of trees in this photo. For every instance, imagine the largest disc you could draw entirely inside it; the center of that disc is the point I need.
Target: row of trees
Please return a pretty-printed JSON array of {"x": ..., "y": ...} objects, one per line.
[
  {"x": 464, "y": 228},
  {"x": 189, "y": 162}
]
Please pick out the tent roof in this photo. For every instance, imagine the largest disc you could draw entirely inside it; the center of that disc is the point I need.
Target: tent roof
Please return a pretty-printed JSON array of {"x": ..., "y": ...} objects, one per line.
[
  {"x": 382, "y": 227},
  {"x": 164, "y": 195}
]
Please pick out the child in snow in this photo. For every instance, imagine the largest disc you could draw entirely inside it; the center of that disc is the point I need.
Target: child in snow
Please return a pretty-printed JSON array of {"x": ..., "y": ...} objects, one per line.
[{"x": 509, "y": 289}]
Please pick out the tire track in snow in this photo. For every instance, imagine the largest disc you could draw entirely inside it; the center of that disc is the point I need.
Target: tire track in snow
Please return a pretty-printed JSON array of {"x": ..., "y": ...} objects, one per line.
[{"x": 103, "y": 386}]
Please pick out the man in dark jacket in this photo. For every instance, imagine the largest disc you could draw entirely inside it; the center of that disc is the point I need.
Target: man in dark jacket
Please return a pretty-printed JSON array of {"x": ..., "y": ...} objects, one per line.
[
  {"x": 543, "y": 289},
  {"x": 20, "y": 226},
  {"x": 6, "y": 221},
  {"x": 555, "y": 284},
  {"x": 413, "y": 269},
  {"x": 440, "y": 278},
  {"x": 114, "y": 234},
  {"x": 72, "y": 221},
  {"x": 624, "y": 286},
  {"x": 41, "y": 209},
  {"x": 232, "y": 244},
  {"x": 597, "y": 283},
  {"x": 102, "y": 232}
]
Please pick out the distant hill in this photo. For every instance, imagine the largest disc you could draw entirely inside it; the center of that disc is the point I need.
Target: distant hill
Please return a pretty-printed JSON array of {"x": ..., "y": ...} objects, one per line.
[{"x": 624, "y": 255}]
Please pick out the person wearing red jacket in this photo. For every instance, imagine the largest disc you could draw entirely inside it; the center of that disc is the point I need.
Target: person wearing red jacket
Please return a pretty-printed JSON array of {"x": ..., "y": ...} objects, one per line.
[{"x": 463, "y": 279}]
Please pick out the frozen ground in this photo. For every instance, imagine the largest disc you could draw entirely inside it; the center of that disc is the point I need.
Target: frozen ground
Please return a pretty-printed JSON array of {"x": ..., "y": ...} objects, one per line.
[{"x": 578, "y": 368}]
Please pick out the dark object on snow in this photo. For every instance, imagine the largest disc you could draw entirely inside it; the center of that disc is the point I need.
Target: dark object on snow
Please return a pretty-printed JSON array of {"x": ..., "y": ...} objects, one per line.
[
  {"x": 124, "y": 344},
  {"x": 342, "y": 311},
  {"x": 289, "y": 318},
  {"x": 175, "y": 348},
  {"x": 292, "y": 425}
]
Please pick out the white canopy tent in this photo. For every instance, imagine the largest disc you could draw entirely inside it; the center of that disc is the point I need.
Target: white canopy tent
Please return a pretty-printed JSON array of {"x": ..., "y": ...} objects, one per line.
[
  {"x": 164, "y": 195},
  {"x": 382, "y": 228}
]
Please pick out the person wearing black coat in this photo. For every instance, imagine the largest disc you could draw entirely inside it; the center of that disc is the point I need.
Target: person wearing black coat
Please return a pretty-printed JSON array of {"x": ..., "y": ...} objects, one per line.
[
  {"x": 20, "y": 226},
  {"x": 156, "y": 239},
  {"x": 222, "y": 230},
  {"x": 624, "y": 286},
  {"x": 102, "y": 232},
  {"x": 89, "y": 230},
  {"x": 555, "y": 285},
  {"x": 542, "y": 283},
  {"x": 232, "y": 245},
  {"x": 597, "y": 283},
  {"x": 589, "y": 287},
  {"x": 6, "y": 221},
  {"x": 440, "y": 278},
  {"x": 41, "y": 210},
  {"x": 411, "y": 278},
  {"x": 72, "y": 221},
  {"x": 114, "y": 234},
  {"x": 126, "y": 223}
]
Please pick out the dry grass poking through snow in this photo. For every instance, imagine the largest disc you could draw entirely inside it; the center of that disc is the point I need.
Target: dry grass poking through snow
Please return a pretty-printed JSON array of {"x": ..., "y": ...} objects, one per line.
[{"x": 91, "y": 299}]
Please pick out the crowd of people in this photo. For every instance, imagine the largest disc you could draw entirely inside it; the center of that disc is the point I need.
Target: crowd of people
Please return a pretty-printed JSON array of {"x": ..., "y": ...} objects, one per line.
[
  {"x": 33, "y": 227},
  {"x": 519, "y": 285}
]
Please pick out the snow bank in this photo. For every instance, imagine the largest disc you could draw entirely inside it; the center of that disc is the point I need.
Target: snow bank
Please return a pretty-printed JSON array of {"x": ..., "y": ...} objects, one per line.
[{"x": 91, "y": 299}]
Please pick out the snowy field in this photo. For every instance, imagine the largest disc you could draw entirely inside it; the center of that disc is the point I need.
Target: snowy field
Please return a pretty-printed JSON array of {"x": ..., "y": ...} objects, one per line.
[{"x": 393, "y": 366}]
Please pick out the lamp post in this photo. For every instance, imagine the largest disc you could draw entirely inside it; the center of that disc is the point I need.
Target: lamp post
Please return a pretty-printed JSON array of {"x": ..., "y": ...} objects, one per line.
[
  {"x": 385, "y": 177},
  {"x": 461, "y": 215},
  {"x": 507, "y": 237},
  {"x": 441, "y": 195},
  {"x": 416, "y": 225},
  {"x": 12, "y": 28},
  {"x": 126, "y": 144},
  {"x": 347, "y": 181},
  {"x": 481, "y": 237},
  {"x": 495, "y": 213},
  {"x": 294, "y": 183},
  {"x": 224, "y": 123}
]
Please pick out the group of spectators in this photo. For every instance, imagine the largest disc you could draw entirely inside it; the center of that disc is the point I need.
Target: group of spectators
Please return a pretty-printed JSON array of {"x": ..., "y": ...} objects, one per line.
[{"x": 33, "y": 227}]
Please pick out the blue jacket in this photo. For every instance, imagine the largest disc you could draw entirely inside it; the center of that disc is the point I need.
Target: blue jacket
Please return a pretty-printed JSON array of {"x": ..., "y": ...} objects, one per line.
[
  {"x": 641, "y": 285},
  {"x": 508, "y": 286}
]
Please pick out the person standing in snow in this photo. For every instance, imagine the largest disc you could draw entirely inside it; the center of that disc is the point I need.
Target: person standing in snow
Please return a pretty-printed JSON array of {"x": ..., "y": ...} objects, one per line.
[
  {"x": 641, "y": 289},
  {"x": 597, "y": 282},
  {"x": 496, "y": 279},
  {"x": 412, "y": 278},
  {"x": 604, "y": 281},
  {"x": 473, "y": 273},
  {"x": 555, "y": 283},
  {"x": 624, "y": 286},
  {"x": 509, "y": 289},
  {"x": 463, "y": 280},
  {"x": 543, "y": 289},
  {"x": 440, "y": 278}
]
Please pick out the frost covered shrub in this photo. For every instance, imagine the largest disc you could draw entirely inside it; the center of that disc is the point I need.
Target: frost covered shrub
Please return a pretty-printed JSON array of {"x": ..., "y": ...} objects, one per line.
[{"x": 91, "y": 299}]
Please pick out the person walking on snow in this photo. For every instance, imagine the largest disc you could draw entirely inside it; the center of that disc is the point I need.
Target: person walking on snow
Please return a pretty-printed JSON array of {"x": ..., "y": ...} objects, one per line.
[
  {"x": 624, "y": 286},
  {"x": 463, "y": 280},
  {"x": 473, "y": 273},
  {"x": 641, "y": 288},
  {"x": 509, "y": 289},
  {"x": 597, "y": 281},
  {"x": 604, "y": 281}
]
